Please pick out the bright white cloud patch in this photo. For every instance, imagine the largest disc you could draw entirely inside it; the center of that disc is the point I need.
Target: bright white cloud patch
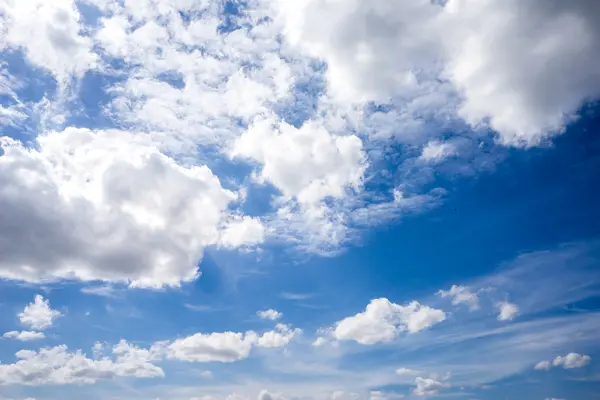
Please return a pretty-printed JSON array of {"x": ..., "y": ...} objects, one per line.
[
  {"x": 279, "y": 337},
  {"x": 486, "y": 49},
  {"x": 269, "y": 314},
  {"x": 58, "y": 366},
  {"x": 383, "y": 321},
  {"x": 570, "y": 361},
  {"x": 38, "y": 315},
  {"x": 49, "y": 33},
  {"x": 308, "y": 163},
  {"x": 221, "y": 347},
  {"x": 107, "y": 205},
  {"x": 508, "y": 311},
  {"x": 226, "y": 346},
  {"x": 428, "y": 386},
  {"x": 24, "y": 336},
  {"x": 461, "y": 295}
]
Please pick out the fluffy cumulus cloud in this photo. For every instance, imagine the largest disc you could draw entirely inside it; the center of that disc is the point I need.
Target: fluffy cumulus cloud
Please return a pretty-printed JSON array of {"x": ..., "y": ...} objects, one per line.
[
  {"x": 428, "y": 386},
  {"x": 508, "y": 311},
  {"x": 484, "y": 49},
  {"x": 308, "y": 164},
  {"x": 279, "y": 337},
  {"x": 570, "y": 361},
  {"x": 221, "y": 347},
  {"x": 461, "y": 295},
  {"x": 38, "y": 315},
  {"x": 107, "y": 205},
  {"x": 50, "y": 34},
  {"x": 383, "y": 321},
  {"x": 269, "y": 314},
  {"x": 226, "y": 346},
  {"x": 24, "y": 336},
  {"x": 59, "y": 366}
]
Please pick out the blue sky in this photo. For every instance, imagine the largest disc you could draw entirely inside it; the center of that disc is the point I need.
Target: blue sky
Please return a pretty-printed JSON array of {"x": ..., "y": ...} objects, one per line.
[{"x": 316, "y": 200}]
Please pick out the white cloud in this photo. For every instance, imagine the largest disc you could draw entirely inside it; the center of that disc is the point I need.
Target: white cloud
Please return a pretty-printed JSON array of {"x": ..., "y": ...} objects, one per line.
[
  {"x": 383, "y": 320},
  {"x": 279, "y": 337},
  {"x": 406, "y": 372},
  {"x": 242, "y": 231},
  {"x": 461, "y": 295},
  {"x": 58, "y": 366},
  {"x": 49, "y": 34},
  {"x": 226, "y": 346},
  {"x": 107, "y": 205},
  {"x": 436, "y": 151},
  {"x": 487, "y": 50},
  {"x": 308, "y": 164},
  {"x": 221, "y": 347},
  {"x": 428, "y": 386},
  {"x": 508, "y": 311},
  {"x": 38, "y": 315},
  {"x": 24, "y": 336},
  {"x": 269, "y": 314},
  {"x": 320, "y": 341},
  {"x": 572, "y": 360},
  {"x": 543, "y": 366}
]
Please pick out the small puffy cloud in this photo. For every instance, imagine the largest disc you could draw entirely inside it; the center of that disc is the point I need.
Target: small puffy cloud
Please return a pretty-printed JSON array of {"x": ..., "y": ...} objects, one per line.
[
  {"x": 318, "y": 342},
  {"x": 436, "y": 151},
  {"x": 221, "y": 347},
  {"x": 543, "y": 366},
  {"x": 24, "y": 336},
  {"x": 461, "y": 295},
  {"x": 406, "y": 372},
  {"x": 38, "y": 315},
  {"x": 58, "y": 366},
  {"x": 383, "y": 320},
  {"x": 572, "y": 360},
  {"x": 428, "y": 386},
  {"x": 225, "y": 347},
  {"x": 279, "y": 337},
  {"x": 269, "y": 314},
  {"x": 242, "y": 231},
  {"x": 508, "y": 311}
]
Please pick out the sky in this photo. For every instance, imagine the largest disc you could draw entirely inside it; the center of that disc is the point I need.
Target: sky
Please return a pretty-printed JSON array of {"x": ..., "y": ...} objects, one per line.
[{"x": 299, "y": 200}]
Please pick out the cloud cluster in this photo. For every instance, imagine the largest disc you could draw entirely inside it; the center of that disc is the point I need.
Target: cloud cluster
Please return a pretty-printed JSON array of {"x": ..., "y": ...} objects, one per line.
[
  {"x": 58, "y": 366},
  {"x": 383, "y": 321},
  {"x": 461, "y": 295},
  {"x": 108, "y": 205},
  {"x": 38, "y": 316},
  {"x": 269, "y": 314},
  {"x": 484, "y": 49},
  {"x": 570, "y": 361}
]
